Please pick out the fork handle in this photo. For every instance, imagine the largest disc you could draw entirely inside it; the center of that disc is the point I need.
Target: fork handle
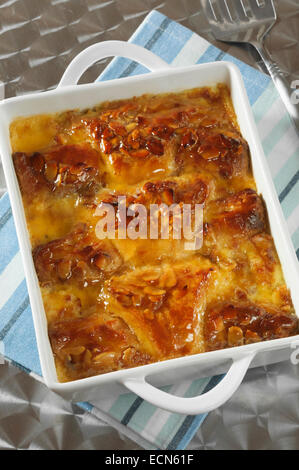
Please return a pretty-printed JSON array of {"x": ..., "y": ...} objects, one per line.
[{"x": 282, "y": 85}]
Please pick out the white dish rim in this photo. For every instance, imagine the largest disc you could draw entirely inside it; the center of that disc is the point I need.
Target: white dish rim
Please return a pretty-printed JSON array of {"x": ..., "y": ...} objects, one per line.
[{"x": 135, "y": 378}]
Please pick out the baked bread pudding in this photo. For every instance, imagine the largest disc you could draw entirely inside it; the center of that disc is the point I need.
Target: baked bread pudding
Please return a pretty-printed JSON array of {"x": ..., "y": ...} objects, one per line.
[{"x": 120, "y": 302}]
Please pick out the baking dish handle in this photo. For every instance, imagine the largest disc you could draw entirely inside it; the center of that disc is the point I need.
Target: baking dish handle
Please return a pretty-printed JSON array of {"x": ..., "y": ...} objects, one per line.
[
  {"x": 196, "y": 405},
  {"x": 101, "y": 50}
]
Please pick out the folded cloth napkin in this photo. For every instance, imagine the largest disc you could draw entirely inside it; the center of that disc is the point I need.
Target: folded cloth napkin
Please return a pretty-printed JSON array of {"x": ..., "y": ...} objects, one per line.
[{"x": 150, "y": 427}]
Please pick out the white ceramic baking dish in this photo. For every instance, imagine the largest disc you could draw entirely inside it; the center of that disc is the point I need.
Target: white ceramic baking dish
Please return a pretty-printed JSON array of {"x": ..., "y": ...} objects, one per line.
[{"x": 233, "y": 361}]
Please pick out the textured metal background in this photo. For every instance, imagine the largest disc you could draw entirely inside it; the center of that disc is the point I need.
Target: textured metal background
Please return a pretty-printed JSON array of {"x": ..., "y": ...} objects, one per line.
[{"x": 38, "y": 38}]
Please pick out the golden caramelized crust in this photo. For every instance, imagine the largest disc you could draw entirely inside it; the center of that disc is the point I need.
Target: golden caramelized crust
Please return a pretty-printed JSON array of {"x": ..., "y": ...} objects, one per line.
[
  {"x": 243, "y": 213},
  {"x": 97, "y": 343},
  {"x": 230, "y": 325},
  {"x": 78, "y": 257},
  {"x": 224, "y": 154},
  {"x": 163, "y": 305},
  {"x": 64, "y": 170},
  {"x": 147, "y": 315},
  {"x": 120, "y": 303},
  {"x": 190, "y": 190}
]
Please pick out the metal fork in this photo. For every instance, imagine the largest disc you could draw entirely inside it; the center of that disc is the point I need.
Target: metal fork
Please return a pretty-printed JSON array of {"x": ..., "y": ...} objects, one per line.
[{"x": 249, "y": 21}]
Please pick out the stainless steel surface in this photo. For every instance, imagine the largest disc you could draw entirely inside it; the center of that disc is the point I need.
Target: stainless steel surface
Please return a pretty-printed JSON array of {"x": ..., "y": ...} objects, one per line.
[
  {"x": 38, "y": 38},
  {"x": 32, "y": 417},
  {"x": 250, "y": 23}
]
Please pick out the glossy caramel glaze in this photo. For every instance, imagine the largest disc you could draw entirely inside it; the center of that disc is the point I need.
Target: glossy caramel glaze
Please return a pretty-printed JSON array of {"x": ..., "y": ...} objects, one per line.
[{"x": 121, "y": 303}]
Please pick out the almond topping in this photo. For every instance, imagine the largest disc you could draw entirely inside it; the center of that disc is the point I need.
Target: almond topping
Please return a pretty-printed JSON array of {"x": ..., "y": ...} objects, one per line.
[
  {"x": 75, "y": 351},
  {"x": 252, "y": 337},
  {"x": 150, "y": 290},
  {"x": 235, "y": 336},
  {"x": 104, "y": 358},
  {"x": 151, "y": 276},
  {"x": 168, "y": 279}
]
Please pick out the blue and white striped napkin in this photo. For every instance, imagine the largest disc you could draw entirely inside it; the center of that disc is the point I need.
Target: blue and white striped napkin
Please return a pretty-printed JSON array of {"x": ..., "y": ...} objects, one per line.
[{"x": 150, "y": 427}]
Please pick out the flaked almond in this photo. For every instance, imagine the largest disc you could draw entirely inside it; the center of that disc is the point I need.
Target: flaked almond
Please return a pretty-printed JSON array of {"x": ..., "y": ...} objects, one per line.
[
  {"x": 156, "y": 299},
  {"x": 131, "y": 126},
  {"x": 218, "y": 324},
  {"x": 141, "y": 153},
  {"x": 119, "y": 290},
  {"x": 252, "y": 337},
  {"x": 209, "y": 153},
  {"x": 181, "y": 130},
  {"x": 118, "y": 129},
  {"x": 135, "y": 135},
  {"x": 137, "y": 282},
  {"x": 227, "y": 264},
  {"x": 151, "y": 276},
  {"x": 102, "y": 261},
  {"x": 235, "y": 336},
  {"x": 150, "y": 290},
  {"x": 168, "y": 279},
  {"x": 75, "y": 351},
  {"x": 128, "y": 354},
  {"x": 87, "y": 358},
  {"x": 104, "y": 359}
]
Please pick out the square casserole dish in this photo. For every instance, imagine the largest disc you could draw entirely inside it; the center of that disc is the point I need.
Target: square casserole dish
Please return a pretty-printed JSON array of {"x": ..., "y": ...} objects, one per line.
[{"x": 162, "y": 79}]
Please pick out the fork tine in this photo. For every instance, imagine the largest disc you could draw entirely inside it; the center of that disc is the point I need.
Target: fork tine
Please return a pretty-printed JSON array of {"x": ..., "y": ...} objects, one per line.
[
  {"x": 269, "y": 3},
  {"x": 240, "y": 10},
  {"x": 207, "y": 4},
  {"x": 224, "y": 10}
]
